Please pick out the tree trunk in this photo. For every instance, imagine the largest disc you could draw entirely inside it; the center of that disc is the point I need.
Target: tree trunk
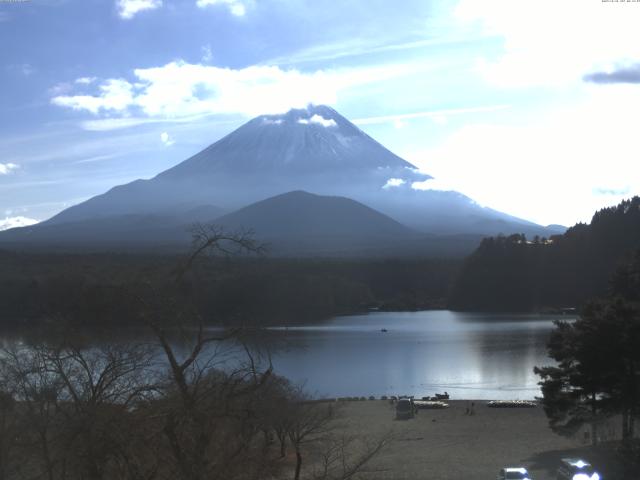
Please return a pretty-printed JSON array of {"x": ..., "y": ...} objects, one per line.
[
  {"x": 594, "y": 425},
  {"x": 267, "y": 441},
  {"x": 625, "y": 425},
  {"x": 46, "y": 454},
  {"x": 282, "y": 438},
  {"x": 2, "y": 463},
  {"x": 283, "y": 448},
  {"x": 298, "y": 464}
]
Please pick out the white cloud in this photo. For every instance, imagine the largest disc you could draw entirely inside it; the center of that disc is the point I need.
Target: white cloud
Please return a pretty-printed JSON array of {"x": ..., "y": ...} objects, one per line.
[
  {"x": 85, "y": 80},
  {"x": 438, "y": 116},
  {"x": 559, "y": 168},
  {"x": 13, "y": 222},
  {"x": 166, "y": 139},
  {"x": 358, "y": 46},
  {"x": 106, "y": 124},
  {"x": 7, "y": 168},
  {"x": 393, "y": 182},
  {"x": 550, "y": 42},
  {"x": 127, "y": 9},
  {"x": 115, "y": 95},
  {"x": 207, "y": 54},
  {"x": 60, "y": 89},
  {"x": 179, "y": 90},
  {"x": 318, "y": 120},
  {"x": 96, "y": 158},
  {"x": 236, "y": 7}
]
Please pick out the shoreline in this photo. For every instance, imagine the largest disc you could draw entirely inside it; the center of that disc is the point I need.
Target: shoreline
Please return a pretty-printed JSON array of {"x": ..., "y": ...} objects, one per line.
[
  {"x": 448, "y": 443},
  {"x": 418, "y": 399}
]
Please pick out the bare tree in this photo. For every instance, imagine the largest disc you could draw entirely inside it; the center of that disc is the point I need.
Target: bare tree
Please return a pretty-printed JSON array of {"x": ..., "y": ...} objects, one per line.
[
  {"x": 102, "y": 387},
  {"x": 209, "y": 407},
  {"x": 213, "y": 240},
  {"x": 275, "y": 411},
  {"x": 310, "y": 422},
  {"x": 208, "y": 413},
  {"x": 77, "y": 405},
  {"x": 313, "y": 427},
  {"x": 346, "y": 457},
  {"x": 26, "y": 380},
  {"x": 240, "y": 403},
  {"x": 8, "y": 434}
]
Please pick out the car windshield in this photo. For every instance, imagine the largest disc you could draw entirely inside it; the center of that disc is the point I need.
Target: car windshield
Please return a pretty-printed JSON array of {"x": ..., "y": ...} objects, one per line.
[
  {"x": 585, "y": 470},
  {"x": 515, "y": 476}
]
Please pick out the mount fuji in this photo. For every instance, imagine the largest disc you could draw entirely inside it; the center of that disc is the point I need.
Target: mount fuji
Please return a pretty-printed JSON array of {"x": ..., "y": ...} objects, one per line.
[{"x": 314, "y": 150}]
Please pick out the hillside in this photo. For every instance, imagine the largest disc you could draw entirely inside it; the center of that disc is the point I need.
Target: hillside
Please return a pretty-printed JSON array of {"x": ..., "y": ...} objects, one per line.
[
  {"x": 513, "y": 273},
  {"x": 299, "y": 222}
]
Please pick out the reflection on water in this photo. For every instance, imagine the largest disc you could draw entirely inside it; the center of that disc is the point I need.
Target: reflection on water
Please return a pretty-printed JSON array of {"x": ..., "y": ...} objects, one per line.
[{"x": 470, "y": 355}]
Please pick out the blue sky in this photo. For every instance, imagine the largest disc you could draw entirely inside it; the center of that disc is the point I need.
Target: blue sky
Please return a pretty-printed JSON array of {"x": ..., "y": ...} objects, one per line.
[{"x": 528, "y": 106}]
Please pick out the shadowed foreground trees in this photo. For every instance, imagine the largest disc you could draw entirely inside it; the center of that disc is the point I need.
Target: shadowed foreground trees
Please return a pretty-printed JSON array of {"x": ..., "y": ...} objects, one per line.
[
  {"x": 598, "y": 371},
  {"x": 73, "y": 409},
  {"x": 195, "y": 404},
  {"x": 68, "y": 412}
]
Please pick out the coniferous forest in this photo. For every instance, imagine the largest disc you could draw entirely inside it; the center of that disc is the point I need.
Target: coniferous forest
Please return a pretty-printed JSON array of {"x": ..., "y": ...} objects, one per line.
[
  {"x": 515, "y": 273},
  {"x": 101, "y": 289},
  {"x": 505, "y": 273}
]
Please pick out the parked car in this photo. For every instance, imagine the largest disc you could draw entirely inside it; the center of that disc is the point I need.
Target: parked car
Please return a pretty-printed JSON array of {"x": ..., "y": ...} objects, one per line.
[
  {"x": 514, "y": 473},
  {"x": 576, "y": 469},
  {"x": 404, "y": 409}
]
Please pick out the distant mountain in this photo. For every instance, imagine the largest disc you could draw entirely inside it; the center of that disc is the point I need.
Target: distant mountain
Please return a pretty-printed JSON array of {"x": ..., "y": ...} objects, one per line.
[
  {"x": 302, "y": 214},
  {"x": 299, "y": 222},
  {"x": 313, "y": 149},
  {"x": 292, "y": 224},
  {"x": 114, "y": 233},
  {"x": 303, "y": 224}
]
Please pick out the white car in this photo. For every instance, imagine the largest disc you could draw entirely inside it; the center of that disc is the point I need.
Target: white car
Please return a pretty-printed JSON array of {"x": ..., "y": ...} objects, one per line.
[
  {"x": 514, "y": 473},
  {"x": 576, "y": 469}
]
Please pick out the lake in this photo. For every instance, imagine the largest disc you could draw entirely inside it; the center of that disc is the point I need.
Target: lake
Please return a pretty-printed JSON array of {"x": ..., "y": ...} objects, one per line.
[{"x": 469, "y": 355}]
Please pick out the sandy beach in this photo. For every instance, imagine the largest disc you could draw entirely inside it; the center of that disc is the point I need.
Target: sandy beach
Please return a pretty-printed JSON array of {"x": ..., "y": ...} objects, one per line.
[{"x": 449, "y": 444}]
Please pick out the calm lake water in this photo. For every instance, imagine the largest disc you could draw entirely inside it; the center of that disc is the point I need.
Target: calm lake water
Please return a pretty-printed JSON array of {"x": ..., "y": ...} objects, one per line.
[{"x": 470, "y": 355}]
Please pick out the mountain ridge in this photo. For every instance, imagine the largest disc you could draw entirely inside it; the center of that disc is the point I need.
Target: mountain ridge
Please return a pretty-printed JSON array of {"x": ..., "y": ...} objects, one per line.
[{"x": 314, "y": 149}]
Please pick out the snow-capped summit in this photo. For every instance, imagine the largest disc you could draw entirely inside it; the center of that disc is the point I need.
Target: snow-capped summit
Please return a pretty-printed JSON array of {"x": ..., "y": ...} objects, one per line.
[{"x": 313, "y": 140}]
